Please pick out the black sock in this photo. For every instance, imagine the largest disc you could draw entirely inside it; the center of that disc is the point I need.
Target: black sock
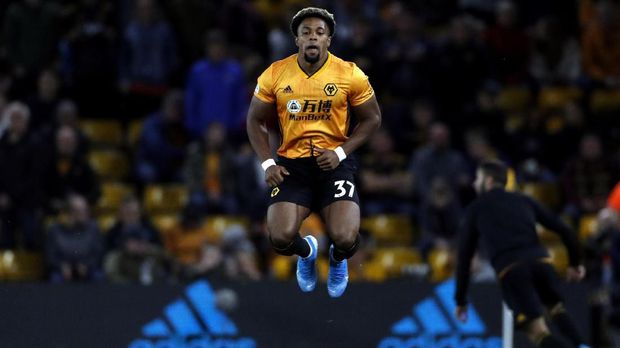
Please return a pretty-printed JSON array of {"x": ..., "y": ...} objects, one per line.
[
  {"x": 567, "y": 327},
  {"x": 551, "y": 341},
  {"x": 340, "y": 254},
  {"x": 298, "y": 246}
]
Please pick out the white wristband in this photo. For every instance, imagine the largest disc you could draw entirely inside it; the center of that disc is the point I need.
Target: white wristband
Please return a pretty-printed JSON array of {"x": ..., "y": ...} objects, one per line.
[
  {"x": 268, "y": 163},
  {"x": 340, "y": 152}
]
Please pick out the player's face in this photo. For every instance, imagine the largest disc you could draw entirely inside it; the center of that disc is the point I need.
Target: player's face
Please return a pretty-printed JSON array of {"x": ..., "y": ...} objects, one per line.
[{"x": 313, "y": 39}]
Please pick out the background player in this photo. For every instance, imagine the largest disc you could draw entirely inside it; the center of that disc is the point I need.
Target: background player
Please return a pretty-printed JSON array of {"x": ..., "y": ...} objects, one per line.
[
  {"x": 505, "y": 222},
  {"x": 310, "y": 94}
]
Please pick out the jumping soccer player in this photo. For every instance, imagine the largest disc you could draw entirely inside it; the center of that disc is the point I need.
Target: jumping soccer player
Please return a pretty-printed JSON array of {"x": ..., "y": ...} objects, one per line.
[
  {"x": 505, "y": 222},
  {"x": 310, "y": 94}
]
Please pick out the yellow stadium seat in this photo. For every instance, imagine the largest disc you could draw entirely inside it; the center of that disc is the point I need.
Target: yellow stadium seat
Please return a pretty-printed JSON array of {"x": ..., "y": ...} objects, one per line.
[
  {"x": 106, "y": 221},
  {"x": 109, "y": 164},
  {"x": 605, "y": 100},
  {"x": 169, "y": 198},
  {"x": 21, "y": 265},
  {"x": 557, "y": 97},
  {"x": 395, "y": 259},
  {"x": 164, "y": 222},
  {"x": 134, "y": 131},
  {"x": 103, "y": 132},
  {"x": 374, "y": 271},
  {"x": 442, "y": 264},
  {"x": 312, "y": 225},
  {"x": 219, "y": 223},
  {"x": 587, "y": 226},
  {"x": 282, "y": 267},
  {"x": 112, "y": 195},
  {"x": 545, "y": 193},
  {"x": 559, "y": 256},
  {"x": 389, "y": 229},
  {"x": 512, "y": 99}
]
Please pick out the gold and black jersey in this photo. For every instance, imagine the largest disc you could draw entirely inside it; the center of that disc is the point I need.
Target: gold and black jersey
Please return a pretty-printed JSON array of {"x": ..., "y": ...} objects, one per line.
[{"x": 312, "y": 110}]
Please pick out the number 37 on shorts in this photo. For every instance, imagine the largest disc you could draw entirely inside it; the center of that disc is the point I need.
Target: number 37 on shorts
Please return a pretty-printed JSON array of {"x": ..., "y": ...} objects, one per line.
[{"x": 344, "y": 187}]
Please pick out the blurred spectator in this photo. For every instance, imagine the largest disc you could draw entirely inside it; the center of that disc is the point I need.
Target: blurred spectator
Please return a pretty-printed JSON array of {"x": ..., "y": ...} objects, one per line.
[
  {"x": 437, "y": 159},
  {"x": 385, "y": 182},
  {"x": 439, "y": 218},
  {"x": 462, "y": 66},
  {"x": 19, "y": 177},
  {"x": 508, "y": 44},
  {"x": 215, "y": 90},
  {"x": 478, "y": 149},
  {"x": 161, "y": 147},
  {"x": 29, "y": 36},
  {"x": 74, "y": 247},
  {"x": 412, "y": 131},
  {"x": 210, "y": 172},
  {"x": 563, "y": 143},
  {"x": 405, "y": 64},
  {"x": 148, "y": 57},
  {"x": 359, "y": 48},
  {"x": 43, "y": 104},
  {"x": 601, "y": 44},
  {"x": 532, "y": 170},
  {"x": 135, "y": 249},
  {"x": 68, "y": 171},
  {"x": 555, "y": 56},
  {"x": 66, "y": 114},
  {"x": 88, "y": 58},
  {"x": 250, "y": 184},
  {"x": 587, "y": 179}
]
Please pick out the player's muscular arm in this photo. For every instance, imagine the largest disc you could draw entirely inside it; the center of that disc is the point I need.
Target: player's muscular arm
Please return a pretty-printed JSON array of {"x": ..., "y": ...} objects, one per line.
[
  {"x": 259, "y": 114},
  {"x": 369, "y": 117}
]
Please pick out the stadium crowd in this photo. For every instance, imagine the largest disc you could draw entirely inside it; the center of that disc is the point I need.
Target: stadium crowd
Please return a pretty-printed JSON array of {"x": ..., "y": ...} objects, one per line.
[{"x": 123, "y": 152}]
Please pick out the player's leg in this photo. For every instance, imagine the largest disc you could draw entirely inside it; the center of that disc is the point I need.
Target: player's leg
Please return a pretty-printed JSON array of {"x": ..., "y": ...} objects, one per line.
[
  {"x": 521, "y": 297},
  {"x": 342, "y": 221},
  {"x": 546, "y": 282}
]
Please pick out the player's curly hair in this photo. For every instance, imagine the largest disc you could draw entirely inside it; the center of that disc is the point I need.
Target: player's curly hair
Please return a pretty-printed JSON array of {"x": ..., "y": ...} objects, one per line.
[{"x": 313, "y": 12}]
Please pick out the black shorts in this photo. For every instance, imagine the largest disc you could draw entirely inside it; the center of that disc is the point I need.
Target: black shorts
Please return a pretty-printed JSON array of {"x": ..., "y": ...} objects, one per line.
[
  {"x": 528, "y": 288},
  {"x": 311, "y": 187}
]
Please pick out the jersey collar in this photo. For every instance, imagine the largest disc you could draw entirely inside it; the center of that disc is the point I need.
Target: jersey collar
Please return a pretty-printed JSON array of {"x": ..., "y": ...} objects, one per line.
[{"x": 323, "y": 67}]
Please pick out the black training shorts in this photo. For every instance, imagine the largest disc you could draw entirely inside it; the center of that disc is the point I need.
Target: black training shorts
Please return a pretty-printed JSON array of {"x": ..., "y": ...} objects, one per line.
[
  {"x": 311, "y": 187},
  {"x": 528, "y": 288}
]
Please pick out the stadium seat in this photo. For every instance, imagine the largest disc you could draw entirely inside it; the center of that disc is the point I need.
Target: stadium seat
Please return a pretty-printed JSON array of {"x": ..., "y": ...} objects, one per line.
[
  {"x": 112, "y": 195},
  {"x": 106, "y": 133},
  {"x": 512, "y": 99},
  {"x": 164, "y": 222},
  {"x": 603, "y": 101},
  {"x": 374, "y": 271},
  {"x": 169, "y": 199},
  {"x": 389, "y": 229},
  {"x": 395, "y": 259},
  {"x": 547, "y": 236},
  {"x": 559, "y": 256},
  {"x": 21, "y": 265},
  {"x": 587, "y": 226},
  {"x": 441, "y": 263},
  {"x": 545, "y": 193},
  {"x": 312, "y": 225},
  {"x": 282, "y": 267},
  {"x": 105, "y": 222},
  {"x": 557, "y": 97},
  {"x": 219, "y": 223},
  {"x": 110, "y": 165},
  {"x": 133, "y": 132}
]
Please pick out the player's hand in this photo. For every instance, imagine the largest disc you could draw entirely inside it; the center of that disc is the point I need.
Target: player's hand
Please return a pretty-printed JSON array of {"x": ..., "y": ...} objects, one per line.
[
  {"x": 461, "y": 313},
  {"x": 327, "y": 159},
  {"x": 274, "y": 175},
  {"x": 575, "y": 274}
]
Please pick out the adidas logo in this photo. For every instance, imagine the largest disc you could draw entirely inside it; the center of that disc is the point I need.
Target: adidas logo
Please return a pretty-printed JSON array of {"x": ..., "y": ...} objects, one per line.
[
  {"x": 432, "y": 324},
  {"x": 193, "y": 321},
  {"x": 288, "y": 89}
]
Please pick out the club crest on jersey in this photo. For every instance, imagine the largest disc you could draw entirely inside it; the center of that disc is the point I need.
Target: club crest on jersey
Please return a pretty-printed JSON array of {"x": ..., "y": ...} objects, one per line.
[
  {"x": 330, "y": 89},
  {"x": 293, "y": 106}
]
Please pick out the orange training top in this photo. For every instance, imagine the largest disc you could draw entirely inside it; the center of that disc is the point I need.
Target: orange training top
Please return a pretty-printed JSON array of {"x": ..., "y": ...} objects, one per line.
[{"x": 312, "y": 110}]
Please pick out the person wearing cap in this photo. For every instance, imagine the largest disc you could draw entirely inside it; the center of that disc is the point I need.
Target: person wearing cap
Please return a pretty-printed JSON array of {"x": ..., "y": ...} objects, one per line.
[{"x": 309, "y": 96}]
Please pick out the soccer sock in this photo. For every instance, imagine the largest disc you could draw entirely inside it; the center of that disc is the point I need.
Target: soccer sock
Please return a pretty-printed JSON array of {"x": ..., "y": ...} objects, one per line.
[
  {"x": 551, "y": 341},
  {"x": 567, "y": 327},
  {"x": 298, "y": 246},
  {"x": 339, "y": 254}
]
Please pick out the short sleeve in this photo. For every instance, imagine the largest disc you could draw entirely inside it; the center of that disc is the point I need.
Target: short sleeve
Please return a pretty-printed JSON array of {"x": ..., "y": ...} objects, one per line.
[
  {"x": 361, "y": 90},
  {"x": 264, "y": 87}
]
